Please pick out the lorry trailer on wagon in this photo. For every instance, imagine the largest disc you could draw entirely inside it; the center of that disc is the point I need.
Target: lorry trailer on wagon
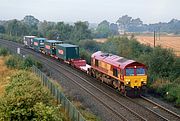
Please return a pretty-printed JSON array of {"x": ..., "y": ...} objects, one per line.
[{"x": 127, "y": 76}]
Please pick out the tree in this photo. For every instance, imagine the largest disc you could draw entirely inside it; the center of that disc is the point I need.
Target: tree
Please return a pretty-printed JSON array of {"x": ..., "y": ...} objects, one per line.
[
  {"x": 64, "y": 30},
  {"x": 30, "y": 20},
  {"x": 113, "y": 29},
  {"x": 136, "y": 22},
  {"x": 103, "y": 30},
  {"x": 2, "y": 29},
  {"x": 81, "y": 31},
  {"x": 32, "y": 24},
  {"x": 45, "y": 26},
  {"x": 161, "y": 62},
  {"x": 16, "y": 28},
  {"x": 53, "y": 34},
  {"x": 124, "y": 21}
]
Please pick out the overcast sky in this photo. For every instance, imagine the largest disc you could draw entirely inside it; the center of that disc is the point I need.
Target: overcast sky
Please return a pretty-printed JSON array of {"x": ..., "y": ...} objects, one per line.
[{"x": 94, "y": 11}]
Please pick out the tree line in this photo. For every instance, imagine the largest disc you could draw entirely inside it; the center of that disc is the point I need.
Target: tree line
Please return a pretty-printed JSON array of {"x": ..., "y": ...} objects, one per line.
[
  {"x": 51, "y": 30},
  {"x": 130, "y": 24}
]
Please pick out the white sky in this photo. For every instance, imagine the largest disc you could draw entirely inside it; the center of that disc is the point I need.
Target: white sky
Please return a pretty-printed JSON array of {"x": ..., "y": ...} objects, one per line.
[{"x": 94, "y": 11}]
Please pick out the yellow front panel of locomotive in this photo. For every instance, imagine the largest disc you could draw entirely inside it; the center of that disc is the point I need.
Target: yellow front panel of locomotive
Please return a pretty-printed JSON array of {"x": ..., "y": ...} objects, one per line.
[{"x": 135, "y": 81}]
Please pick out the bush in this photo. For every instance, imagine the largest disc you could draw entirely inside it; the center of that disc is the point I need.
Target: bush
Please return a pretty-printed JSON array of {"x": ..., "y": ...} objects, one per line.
[
  {"x": 4, "y": 51},
  {"x": 89, "y": 45},
  {"x": 11, "y": 38},
  {"x": 15, "y": 61},
  {"x": 47, "y": 113},
  {"x": 28, "y": 62},
  {"x": 85, "y": 55},
  {"x": 125, "y": 47},
  {"x": 26, "y": 99}
]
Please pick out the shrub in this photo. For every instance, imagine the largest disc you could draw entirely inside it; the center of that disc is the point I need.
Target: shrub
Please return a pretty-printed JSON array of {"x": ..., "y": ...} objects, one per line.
[
  {"x": 11, "y": 38},
  {"x": 46, "y": 113},
  {"x": 26, "y": 99},
  {"x": 85, "y": 55},
  {"x": 28, "y": 62},
  {"x": 4, "y": 51},
  {"x": 15, "y": 61}
]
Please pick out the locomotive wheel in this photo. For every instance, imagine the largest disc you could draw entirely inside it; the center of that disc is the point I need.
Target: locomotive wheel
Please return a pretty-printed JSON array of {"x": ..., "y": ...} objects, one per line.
[{"x": 122, "y": 90}]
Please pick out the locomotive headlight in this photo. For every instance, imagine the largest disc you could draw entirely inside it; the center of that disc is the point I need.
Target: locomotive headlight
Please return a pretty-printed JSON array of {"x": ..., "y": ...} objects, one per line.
[
  {"x": 127, "y": 81},
  {"x": 143, "y": 82}
]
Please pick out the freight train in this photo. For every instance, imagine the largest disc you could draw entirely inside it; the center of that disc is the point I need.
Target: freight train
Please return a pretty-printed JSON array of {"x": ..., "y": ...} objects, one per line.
[{"x": 127, "y": 76}]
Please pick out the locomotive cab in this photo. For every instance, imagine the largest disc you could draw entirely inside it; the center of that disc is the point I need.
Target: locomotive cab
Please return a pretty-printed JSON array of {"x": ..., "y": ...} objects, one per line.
[{"x": 135, "y": 77}]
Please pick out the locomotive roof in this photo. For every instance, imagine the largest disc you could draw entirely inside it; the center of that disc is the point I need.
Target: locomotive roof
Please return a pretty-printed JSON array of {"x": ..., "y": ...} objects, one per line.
[{"x": 115, "y": 60}]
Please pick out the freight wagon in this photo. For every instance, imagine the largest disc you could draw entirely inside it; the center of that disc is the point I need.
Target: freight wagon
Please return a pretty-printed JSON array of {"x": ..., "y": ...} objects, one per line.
[
  {"x": 28, "y": 41},
  {"x": 67, "y": 52},
  {"x": 70, "y": 54},
  {"x": 38, "y": 44},
  {"x": 50, "y": 47}
]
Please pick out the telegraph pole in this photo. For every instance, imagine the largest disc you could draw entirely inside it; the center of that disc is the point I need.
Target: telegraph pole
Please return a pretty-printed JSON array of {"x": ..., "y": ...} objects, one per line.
[
  {"x": 159, "y": 33},
  {"x": 154, "y": 39}
]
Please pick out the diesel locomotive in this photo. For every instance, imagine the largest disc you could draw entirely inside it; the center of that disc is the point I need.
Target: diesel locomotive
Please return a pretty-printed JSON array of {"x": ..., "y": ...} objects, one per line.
[{"x": 128, "y": 76}]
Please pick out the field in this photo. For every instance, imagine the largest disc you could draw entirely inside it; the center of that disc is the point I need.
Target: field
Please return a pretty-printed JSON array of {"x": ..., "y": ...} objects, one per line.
[
  {"x": 101, "y": 40},
  {"x": 165, "y": 41}
]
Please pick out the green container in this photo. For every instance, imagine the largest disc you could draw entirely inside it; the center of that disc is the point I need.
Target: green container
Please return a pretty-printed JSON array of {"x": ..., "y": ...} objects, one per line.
[
  {"x": 67, "y": 51},
  {"x": 50, "y": 46},
  {"x": 38, "y": 44}
]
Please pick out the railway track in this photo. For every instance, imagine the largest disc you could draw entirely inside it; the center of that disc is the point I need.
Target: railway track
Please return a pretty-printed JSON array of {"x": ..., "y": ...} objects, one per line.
[
  {"x": 159, "y": 109},
  {"x": 111, "y": 101}
]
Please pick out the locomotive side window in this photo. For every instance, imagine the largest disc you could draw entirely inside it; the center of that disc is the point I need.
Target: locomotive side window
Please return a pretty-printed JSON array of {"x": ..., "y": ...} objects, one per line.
[
  {"x": 140, "y": 71},
  {"x": 122, "y": 72},
  {"x": 115, "y": 72},
  {"x": 96, "y": 63},
  {"x": 129, "y": 72}
]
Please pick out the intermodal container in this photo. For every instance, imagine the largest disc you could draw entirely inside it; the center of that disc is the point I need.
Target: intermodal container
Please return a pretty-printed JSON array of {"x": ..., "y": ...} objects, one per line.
[
  {"x": 67, "y": 52},
  {"x": 38, "y": 44},
  {"x": 50, "y": 46},
  {"x": 28, "y": 41}
]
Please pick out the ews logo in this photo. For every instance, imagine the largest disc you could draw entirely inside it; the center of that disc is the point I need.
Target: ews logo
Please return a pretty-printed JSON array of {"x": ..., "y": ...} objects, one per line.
[{"x": 61, "y": 52}]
